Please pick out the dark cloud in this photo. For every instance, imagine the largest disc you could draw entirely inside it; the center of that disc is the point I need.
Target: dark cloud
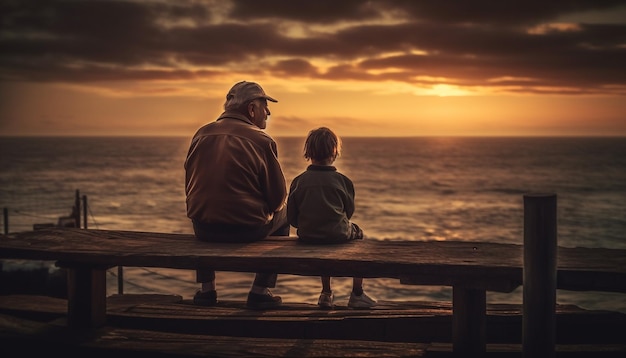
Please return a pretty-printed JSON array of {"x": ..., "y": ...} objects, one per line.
[
  {"x": 318, "y": 11},
  {"x": 295, "y": 67},
  {"x": 495, "y": 12},
  {"x": 448, "y": 12},
  {"x": 466, "y": 42}
]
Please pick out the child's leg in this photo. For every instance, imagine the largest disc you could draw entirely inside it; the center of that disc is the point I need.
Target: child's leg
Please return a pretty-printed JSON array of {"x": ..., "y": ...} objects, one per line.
[
  {"x": 326, "y": 297},
  {"x": 326, "y": 284},
  {"x": 358, "y": 298},
  {"x": 357, "y": 286}
]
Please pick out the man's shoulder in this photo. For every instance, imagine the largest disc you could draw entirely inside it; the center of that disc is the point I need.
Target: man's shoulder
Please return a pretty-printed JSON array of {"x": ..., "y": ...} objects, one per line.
[{"x": 234, "y": 127}]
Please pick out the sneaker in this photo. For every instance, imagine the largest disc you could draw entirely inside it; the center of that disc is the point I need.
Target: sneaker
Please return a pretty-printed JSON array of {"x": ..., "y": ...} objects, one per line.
[
  {"x": 208, "y": 298},
  {"x": 326, "y": 300},
  {"x": 260, "y": 301},
  {"x": 362, "y": 301}
]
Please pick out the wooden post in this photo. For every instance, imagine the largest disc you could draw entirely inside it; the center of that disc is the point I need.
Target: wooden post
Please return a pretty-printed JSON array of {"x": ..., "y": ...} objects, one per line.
[
  {"x": 86, "y": 304},
  {"x": 84, "y": 211},
  {"x": 120, "y": 280},
  {"x": 6, "y": 221},
  {"x": 469, "y": 308},
  {"x": 539, "y": 286},
  {"x": 76, "y": 211}
]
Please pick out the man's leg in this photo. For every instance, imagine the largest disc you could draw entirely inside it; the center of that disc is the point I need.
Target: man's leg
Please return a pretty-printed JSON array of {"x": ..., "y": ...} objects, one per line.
[
  {"x": 207, "y": 295},
  {"x": 263, "y": 281},
  {"x": 260, "y": 297},
  {"x": 280, "y": 225},
  {"x": 206, "y": 277}
]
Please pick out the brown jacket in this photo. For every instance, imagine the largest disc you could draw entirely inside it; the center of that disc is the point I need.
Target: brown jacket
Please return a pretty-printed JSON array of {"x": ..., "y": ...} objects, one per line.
[{"x": 232, "y": 174}]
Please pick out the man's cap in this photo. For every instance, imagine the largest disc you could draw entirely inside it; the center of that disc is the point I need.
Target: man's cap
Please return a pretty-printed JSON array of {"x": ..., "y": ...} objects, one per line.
[{"x": 243, "y": 92}]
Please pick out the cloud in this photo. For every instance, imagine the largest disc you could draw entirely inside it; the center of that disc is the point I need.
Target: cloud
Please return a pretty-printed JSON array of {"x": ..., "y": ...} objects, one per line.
[
  {"x": 320, "y": 11},
  {"x": 467, "y": 44}
]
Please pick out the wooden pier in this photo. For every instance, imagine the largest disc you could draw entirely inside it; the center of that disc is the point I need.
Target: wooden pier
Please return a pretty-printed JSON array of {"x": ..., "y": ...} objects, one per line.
[{"x": 470, "y": 268}]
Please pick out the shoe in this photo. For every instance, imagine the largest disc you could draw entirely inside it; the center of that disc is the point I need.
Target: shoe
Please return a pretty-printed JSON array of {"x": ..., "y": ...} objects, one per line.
[
  {"x": 362, "y": 301},
  {"x": 326, "y": 300},
  {"x": 263, "y": 301},
  {"x": 208, "y": 298}
]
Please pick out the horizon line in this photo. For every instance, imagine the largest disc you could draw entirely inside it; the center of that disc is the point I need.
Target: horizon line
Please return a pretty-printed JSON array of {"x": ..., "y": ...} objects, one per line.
[{"x": 344, "y": 136}]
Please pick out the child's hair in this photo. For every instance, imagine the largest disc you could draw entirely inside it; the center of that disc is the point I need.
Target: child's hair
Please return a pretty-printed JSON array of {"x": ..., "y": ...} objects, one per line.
[{"x": 321, "y": 145}]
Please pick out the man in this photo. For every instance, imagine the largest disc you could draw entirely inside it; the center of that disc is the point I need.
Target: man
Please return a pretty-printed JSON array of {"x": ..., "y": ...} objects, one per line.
[{"x": 236, "y": 189}]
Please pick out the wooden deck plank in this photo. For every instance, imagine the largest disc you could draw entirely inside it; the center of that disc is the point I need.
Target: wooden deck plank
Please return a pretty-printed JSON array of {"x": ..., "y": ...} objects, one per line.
[
  {"x": 394, "y": 321},
  {"x": 22, "y": 337},
  {"x": 415, "y": 262}
]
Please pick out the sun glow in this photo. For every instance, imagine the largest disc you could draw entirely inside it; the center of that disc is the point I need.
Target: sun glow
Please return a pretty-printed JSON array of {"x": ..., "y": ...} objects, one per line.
[{"x": 445, "y": 90}]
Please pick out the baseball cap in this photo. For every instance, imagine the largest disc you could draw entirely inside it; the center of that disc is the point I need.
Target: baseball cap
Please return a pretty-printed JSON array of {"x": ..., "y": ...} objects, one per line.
[{"x": 243, "y": 92}]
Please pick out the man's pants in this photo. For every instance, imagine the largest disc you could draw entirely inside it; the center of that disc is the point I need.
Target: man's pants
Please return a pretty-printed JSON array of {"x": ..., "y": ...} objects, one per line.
[{"x": 278, "y": 227}]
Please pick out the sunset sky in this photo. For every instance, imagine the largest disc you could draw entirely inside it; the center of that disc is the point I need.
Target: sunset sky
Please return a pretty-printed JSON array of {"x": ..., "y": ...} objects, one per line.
[{"x": 364, "y": 68}]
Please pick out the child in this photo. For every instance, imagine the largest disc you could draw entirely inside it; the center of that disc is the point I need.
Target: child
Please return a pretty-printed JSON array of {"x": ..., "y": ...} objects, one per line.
[{"x": 320, "y": 205}]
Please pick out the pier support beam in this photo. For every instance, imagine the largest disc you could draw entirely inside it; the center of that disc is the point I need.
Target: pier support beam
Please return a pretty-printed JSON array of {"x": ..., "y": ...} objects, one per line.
[
  {"x": 86, "y": 296},
  {"x": 539, "y": 278},
  {"x": 468, "y": 321}
]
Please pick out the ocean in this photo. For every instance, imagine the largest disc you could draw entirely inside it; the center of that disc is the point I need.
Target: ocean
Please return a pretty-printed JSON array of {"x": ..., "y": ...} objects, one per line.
[{"x": 417, "y": 188}]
